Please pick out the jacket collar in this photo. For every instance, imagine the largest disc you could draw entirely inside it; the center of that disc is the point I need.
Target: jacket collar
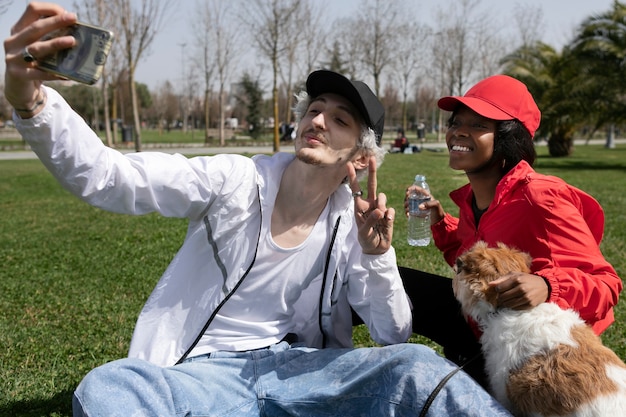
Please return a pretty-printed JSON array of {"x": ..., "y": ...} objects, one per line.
[{"x": 520, "y": 174}]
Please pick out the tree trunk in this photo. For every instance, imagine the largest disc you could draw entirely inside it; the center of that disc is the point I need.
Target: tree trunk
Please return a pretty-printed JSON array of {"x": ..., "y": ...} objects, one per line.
[
  {"x": 106, "y": 111},
  {"x": 207, "y": 114},
  {"x": 560, "y": 145},
  {"x": 221, "y": 117},
  {"x": 133, "y": 96},
  {"x": 610, "y": 137},
  {"x": 114, "y": 113},
  {"x": 276, "y": 134}
]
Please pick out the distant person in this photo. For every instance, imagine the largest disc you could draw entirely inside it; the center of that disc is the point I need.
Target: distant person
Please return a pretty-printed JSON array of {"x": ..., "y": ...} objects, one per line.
[
  {"x": 401, "y": 142},
  {"x": 421, "y": 131},
  {"x": 254, "y": 314},
  {"x": 490, "y": 138},
  {"x": 285, "y": 131},
  {"x": 421, "y": 134}
]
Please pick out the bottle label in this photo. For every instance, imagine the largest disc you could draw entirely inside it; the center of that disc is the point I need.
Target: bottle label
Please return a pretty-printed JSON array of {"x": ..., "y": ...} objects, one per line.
[{"x": 414, "y": 203}]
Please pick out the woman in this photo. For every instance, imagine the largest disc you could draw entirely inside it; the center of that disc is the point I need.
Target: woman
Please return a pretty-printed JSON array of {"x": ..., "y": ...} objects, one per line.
[{"x": 490, "y": 138}]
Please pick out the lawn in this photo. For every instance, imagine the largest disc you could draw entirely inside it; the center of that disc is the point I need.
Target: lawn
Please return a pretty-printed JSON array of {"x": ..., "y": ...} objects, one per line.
[{"x": 74, "y": 278}]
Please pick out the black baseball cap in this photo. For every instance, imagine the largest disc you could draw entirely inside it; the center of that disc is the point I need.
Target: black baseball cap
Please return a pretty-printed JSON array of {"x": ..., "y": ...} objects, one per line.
[{"x": 357, "y": 93}]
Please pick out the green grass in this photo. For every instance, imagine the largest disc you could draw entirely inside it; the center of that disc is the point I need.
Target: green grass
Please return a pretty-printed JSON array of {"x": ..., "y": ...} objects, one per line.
[{"x": 74, "y": 278}]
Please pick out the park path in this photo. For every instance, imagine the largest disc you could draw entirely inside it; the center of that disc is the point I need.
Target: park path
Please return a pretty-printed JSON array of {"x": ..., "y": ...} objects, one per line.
[{"x": 202, "y": 150}]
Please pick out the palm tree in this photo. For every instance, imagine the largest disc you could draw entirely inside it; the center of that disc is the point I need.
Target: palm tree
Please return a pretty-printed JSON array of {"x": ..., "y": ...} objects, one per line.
[
  {"x": 547, "y": 74},
  {"x": 581, "y": 86},
  {"x": 600, "y": 49}
]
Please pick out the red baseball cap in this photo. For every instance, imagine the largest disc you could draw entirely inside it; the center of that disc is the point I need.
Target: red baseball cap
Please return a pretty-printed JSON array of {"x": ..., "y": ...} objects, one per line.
[{"x": 499, "y": 97}]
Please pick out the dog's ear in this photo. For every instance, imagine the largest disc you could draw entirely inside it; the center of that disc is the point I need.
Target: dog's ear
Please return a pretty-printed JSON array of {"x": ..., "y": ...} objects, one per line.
[
  {"x": 517, "y": 261},
  {"x": 458, "y": 265},
  {"x": 506, "y": 259},
  {"x": 501, "y": 245},
  {"x": 481, "y": 244}
]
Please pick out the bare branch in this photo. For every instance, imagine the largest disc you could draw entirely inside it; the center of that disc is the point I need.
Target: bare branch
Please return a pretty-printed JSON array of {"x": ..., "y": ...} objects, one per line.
[{"x": 4, "y": 5}]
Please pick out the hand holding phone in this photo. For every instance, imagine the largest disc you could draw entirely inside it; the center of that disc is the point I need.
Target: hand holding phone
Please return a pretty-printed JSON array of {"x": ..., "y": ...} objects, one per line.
[{"x": 85, "y": 61}]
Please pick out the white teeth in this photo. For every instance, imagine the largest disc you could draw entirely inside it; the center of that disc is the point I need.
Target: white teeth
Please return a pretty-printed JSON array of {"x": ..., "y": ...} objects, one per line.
[{"x": 460, "y": 148}]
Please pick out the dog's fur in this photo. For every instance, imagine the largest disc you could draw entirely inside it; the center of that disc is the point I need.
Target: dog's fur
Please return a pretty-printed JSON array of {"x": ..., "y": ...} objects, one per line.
[{"x": 540, "y": 362}]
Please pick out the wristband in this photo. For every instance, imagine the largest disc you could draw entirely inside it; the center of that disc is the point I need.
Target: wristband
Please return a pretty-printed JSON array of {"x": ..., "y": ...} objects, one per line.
[{"x": 38, "y": 103}]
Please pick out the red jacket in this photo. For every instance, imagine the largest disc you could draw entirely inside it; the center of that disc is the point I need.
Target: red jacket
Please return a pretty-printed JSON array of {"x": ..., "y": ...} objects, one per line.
[{"x": 559, "y": 225}]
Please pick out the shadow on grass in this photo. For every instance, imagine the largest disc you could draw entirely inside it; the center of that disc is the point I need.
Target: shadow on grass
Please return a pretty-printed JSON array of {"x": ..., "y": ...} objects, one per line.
[
  {"x": 58, "y": 406},
  {"x": 549, "y": 162}
]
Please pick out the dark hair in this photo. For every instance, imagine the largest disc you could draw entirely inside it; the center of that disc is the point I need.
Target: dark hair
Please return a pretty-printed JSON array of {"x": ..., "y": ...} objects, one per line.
[{"x": 513, "y": 143}]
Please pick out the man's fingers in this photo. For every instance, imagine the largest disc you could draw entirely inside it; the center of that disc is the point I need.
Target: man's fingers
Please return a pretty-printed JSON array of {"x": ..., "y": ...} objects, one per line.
[
  {"x": 381, "y": 202},
  {"x": 41, "y": 18},
  {"x": 372, "y": 182},
  {"x": 352, "y": 181}
]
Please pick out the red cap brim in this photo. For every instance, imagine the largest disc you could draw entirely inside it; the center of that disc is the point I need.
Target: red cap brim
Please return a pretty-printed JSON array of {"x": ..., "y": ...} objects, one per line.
[{"x": 480, "y": 106}]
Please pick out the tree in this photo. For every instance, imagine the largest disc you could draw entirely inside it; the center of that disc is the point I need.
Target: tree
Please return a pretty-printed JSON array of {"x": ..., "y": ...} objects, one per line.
[
  {"x": 252, "y": 98},
  {"x": 450, "y": 46},
  {"x": 410, "y": 56},
  {"x": 442, "y": 70},
  {"x": 336, "y": 62},
  {"x": 548, "y": 78},
  {"x": 311, "y": 26},
  {"x": 84, "y": 99},
  {"x": 165, "y": 106},
  {"x": 5, "y": 108},
  {"x": 218, "y": 38},
  {"x": 96, "y": 12},
  {"x": 139, "y": 27},
  {"x": 581, "y": 86},
  {"x": 377, "y": 37},
  {"x": 535, "y": 65},
  {"x": 600, "y": 51},
  {"x": 529, "y": 21},
  {"x": 287, "y": 68},
  {"x": 269, "y": 21},
  {"x": 302, "y": 55},
  {"x": 465, "y": 48},
  {"x": 347, "y": 34}
]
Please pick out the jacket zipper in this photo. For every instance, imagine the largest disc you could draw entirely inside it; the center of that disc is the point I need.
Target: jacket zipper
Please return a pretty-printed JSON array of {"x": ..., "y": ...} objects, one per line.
[
  {"x": 321, "y": 302},
  {"x": 230, "y": 294}
]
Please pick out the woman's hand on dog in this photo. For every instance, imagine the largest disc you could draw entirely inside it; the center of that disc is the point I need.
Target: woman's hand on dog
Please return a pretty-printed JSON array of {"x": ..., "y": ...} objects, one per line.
[{"x": 520, "y": 291}]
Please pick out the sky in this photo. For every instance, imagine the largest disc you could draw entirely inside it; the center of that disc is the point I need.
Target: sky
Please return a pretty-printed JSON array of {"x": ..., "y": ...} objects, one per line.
[{"x": 561, "y": 17}]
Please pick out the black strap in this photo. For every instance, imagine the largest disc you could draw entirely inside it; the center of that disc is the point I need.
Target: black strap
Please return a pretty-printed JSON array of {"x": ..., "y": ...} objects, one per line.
[{"x": 440, "y": 386}]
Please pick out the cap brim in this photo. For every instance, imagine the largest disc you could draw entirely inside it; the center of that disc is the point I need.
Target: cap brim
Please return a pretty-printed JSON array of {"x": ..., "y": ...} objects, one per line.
[{"x": 480, "y": 106}]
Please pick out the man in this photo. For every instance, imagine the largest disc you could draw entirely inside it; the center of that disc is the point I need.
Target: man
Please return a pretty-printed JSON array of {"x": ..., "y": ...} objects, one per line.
[{"x": 254, "y": 314}]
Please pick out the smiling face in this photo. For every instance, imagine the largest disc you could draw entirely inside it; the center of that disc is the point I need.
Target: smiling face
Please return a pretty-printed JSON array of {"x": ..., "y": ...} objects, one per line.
[
  {"x": 470, "y": 140},
  {"x": 328, "y": 132}
]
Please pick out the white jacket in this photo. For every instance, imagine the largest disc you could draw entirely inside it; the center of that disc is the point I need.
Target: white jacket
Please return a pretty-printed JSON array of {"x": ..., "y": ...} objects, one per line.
[{"x": 224, "y": 198}]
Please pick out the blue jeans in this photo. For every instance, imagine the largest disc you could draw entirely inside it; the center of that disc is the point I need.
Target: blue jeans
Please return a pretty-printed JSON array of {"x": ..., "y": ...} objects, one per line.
[{"x": 286, "y": 380}]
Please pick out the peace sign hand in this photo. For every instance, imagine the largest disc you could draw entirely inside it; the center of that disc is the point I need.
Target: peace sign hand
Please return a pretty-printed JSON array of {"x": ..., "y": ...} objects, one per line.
[{"x": 374, "y": 220}]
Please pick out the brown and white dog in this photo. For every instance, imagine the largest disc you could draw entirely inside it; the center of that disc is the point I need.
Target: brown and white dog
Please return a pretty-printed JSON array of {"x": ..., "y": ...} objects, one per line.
[{"x": 540, "y": 362}]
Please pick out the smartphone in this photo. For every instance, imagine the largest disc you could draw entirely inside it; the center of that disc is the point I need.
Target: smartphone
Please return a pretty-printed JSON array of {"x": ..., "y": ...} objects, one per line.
[{"x": 83, "y": 62}]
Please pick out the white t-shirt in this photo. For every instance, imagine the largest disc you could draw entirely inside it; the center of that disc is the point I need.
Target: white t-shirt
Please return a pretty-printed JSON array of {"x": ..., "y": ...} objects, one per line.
[{"x": 260, "y": 312}]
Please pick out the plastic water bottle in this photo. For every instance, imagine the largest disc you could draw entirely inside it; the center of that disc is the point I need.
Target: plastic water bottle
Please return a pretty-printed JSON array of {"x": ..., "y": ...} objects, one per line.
[{"x": 419, "y": 220}]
